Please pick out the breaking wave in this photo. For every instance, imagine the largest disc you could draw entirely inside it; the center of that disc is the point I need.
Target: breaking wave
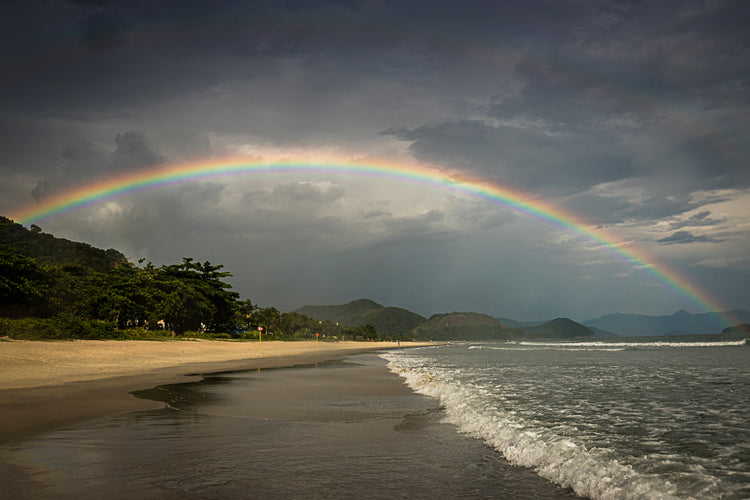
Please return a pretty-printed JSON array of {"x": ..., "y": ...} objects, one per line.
[
  {"x": 609, "y": 345},
  {"x": 592, "y": 473}
]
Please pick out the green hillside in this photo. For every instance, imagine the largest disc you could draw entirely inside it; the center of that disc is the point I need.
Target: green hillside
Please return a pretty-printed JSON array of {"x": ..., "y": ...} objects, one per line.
[
  {"x": 351, "y": 313},
  {"x": 54, "y": 288},
  {"x": 49, "y": 250},
  {"x": 388, "y": 321},
  {"x": 462, "y": 326},
  {"x": 397, "y": 322},
  {"x": 47, "y": 277}
]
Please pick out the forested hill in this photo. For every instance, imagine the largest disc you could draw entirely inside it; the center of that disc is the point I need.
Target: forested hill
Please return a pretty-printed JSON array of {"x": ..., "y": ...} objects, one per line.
[
  {"x": 399, "y": 322},
  {"x": 392, "y": 321},
  {"x": 561, "y": 328},
  {"x": 74, "y": 290},
  {"x": 85, "y": 292},
  {"x": 51, "y": 288},
  {"x": 464, "y": 326},
  {"x": 47, "y": 249}
]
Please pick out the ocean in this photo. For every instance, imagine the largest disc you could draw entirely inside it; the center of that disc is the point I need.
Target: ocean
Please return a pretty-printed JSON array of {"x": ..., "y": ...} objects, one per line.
[
  {"x": 664, "y": 418},
  {"x": 636, "y": 418}
]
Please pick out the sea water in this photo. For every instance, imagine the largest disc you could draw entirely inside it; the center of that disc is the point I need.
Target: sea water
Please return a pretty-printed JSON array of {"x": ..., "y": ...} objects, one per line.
[
  {"x": 641, "y": 419},
  {"x": 653, "y": 418}
]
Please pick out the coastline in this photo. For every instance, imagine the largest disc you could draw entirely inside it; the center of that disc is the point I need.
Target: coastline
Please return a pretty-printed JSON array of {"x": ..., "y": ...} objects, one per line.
[
  {"x": 45, "y": 385},
  {"x": 349, "y": 428}
]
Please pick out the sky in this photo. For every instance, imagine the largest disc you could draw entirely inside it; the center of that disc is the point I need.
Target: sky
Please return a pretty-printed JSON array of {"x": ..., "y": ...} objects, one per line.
[{"x": 632, "y": 115}]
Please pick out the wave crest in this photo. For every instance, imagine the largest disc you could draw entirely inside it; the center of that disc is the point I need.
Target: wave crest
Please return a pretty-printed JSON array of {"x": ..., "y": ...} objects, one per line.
[{"x": 562, "y": 460}]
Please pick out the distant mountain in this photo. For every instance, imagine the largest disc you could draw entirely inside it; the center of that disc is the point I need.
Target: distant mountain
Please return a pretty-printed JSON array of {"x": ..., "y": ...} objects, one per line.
[
  {"x": 560, "y": 328},
  {"x": 462, "y": 326},
  {"x": 47, "y": 249},
  {"x": 395, "y": 321},
  {"x": 680, "y": 323},
  {"x": 349, "y": 314},
  {"x": 604, "y": 334},
  {"x": 524, "y": 325},
  {"x": 392, "y": 321},
  {"x": 519, "y": 324}
]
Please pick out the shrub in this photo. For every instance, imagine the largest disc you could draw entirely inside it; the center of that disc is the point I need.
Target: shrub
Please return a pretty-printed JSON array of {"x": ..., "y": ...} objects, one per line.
[{"x": 65, "y": 326}]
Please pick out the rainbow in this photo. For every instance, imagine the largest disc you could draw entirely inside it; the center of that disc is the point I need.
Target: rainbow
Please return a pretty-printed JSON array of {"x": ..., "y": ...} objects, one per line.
[{"x": 406, "y": 172}]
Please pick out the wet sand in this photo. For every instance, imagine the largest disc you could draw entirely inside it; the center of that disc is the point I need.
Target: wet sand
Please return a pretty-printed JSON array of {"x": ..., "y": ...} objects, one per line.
[
  {"x": 340, "y": 429},
  {"x": 44, "y": 385}
]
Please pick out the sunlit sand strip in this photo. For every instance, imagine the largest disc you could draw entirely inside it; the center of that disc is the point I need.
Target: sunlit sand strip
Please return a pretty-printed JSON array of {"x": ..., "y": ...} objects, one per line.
[{"x": 26, "y": 364}]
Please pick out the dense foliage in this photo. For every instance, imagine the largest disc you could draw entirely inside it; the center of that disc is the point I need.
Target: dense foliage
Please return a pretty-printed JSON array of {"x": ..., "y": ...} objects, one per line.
[
  {"x": 460, "y": 325},
  {"x": 53, "y": 288},
  {"x": 48, "y": 249}
]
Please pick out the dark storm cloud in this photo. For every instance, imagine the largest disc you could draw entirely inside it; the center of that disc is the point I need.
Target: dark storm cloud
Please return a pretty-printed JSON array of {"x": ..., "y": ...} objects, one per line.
[
  {"x": 676, "y": 78},
  {"x": 102, "y": 31},
  {"x": 682, "y": 237},
  {"x": 150, "y": 49},
  {"x": 650, "y": 91},
  {"x": 133, "y": 151},
  {"x": 145, "y": 51},
  {"x": 630, "y": 113},
  {"x": 527, "y": 158},
  {"x": 616, "y": 209},
  {"x": 85, "y": 162}
]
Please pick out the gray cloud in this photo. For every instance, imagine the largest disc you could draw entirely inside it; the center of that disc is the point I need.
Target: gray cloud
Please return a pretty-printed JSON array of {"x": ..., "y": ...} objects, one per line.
[
  {"x": 682, "y": 237},
  {"x": 133, "y": 151},
  {"x": 617, "y": 208},
  {"x": 699, "y": 219},
  {"x": 102, "y": 31},
  {"x": 521, "y": 157},
  {"x": 84, "y": 162},
  {"x": 632, "y": 115},
  {"x": 308, "y": 192}
]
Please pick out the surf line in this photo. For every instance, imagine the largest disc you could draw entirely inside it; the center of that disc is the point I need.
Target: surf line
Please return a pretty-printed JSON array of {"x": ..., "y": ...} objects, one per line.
[{"x": 430, "y": 176}]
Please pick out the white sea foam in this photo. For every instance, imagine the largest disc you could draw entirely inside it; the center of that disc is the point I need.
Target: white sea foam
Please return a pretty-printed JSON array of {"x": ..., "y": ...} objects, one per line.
[
  {"x": 589, "y": 472},
  {"x": 562, "y": 347},
  {"x": 633, "y": 344}
]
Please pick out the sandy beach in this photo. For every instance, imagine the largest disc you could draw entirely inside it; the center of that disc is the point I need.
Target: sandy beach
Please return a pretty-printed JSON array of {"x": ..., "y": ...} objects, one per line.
[
  {"x": 348, "y": 428},
  {"x": 211, "y": 420},
  {"x": 47, "y": 384}
]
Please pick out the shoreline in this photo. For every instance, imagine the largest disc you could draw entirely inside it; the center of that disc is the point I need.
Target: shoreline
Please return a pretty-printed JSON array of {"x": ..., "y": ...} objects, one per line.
[
  {"x": 350, "y": 429},
  {"x": 46, "y": 385}
]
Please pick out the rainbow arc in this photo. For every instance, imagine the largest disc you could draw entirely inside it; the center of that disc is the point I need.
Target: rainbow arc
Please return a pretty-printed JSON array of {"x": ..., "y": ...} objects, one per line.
[{"x": 402, "y": 172}]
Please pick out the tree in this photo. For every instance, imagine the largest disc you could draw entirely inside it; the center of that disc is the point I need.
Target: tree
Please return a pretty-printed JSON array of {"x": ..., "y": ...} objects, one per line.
[
  {"x": 368, "y": 332},
  {"x": 206, "y": 280},
  {"x": 268, "y": 318},
  {"x": 298, "y": 325},
  {"x": 183, "y": 308},
  {"x": 124, "y": 296},
  {"x": 21, "y": 284},
  {"x": 243, "y": 312}
]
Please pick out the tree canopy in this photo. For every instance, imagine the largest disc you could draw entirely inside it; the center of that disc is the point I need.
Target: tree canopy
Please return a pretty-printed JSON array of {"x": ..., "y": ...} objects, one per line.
[{"x": 75, "y": 290}]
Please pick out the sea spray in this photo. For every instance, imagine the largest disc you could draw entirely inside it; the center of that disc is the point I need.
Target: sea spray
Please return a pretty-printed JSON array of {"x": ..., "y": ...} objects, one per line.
[
  {"x": 614, "y": 345},
  {"x": 589, "y": 472}
]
